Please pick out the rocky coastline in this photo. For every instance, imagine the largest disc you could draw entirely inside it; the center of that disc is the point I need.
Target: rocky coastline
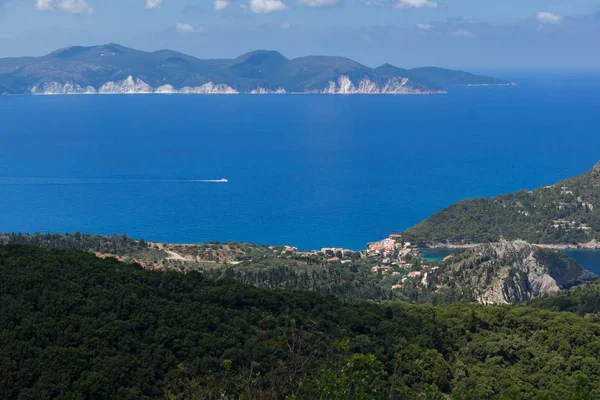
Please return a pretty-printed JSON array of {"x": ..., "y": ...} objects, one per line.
[
  {"x": 591, "y": 245},
  {"x": 130, "y": 85}
]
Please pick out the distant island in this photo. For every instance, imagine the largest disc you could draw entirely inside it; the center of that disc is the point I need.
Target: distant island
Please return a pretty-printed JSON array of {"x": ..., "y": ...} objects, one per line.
[
  {"x": 563, "y": 215},
  {"x": 115, "y": 69}
]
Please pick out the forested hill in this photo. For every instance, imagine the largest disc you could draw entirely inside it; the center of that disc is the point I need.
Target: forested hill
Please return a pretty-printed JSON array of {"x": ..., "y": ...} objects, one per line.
[
  {"x": 567, "y": 212},
  {"x": 583, "y": 300},
  {"x": 74, "y": 326},
  {"x": 498, "y": 273}
]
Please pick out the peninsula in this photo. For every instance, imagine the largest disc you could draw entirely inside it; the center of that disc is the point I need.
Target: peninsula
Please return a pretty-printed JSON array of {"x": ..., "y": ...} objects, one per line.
[{"x": 561, "y": 215}]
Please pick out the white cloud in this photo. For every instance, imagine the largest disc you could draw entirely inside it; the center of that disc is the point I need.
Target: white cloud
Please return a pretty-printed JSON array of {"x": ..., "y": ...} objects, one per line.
[
  {"x": 44, "y": 5},
  {"x": 267, "y": 6},
  {"x": 463, "y": 33},
  {"x": 416, "y": 4},
  {"x": 70, "y": 6},
  {"x": 187, "y": 28},
  {"x": 74, "y": 6},
  {"x": 320, "y": 3},
  {"x": 547, "y": 18},
  {"x": 151, "y": 4},
  {"x": 424, "y": 27},
  {"x": 372, "y": 3},
  {"x": 285, "y": 25},
  {"x": 220, "y": 4}
]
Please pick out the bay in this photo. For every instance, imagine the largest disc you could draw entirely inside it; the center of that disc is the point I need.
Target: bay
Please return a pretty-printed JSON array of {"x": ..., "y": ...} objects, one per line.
[
  {"x": 309, "y": 171},
  {"x": 588, "y": 259}
]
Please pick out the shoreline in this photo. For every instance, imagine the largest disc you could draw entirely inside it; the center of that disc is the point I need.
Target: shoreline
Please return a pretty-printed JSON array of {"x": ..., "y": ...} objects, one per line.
[
  {"x": 424, "y": 93},
  {"x": 592, "y": 245}
]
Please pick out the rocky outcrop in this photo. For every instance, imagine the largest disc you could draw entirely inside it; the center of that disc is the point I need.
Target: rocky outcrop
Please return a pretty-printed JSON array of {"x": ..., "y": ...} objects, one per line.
[
  {"x": 397, "y": 85},
  {"x": 511, "y": 272},
  {"x": 128, "y": 85},
  {"x": 208, "y": 88},
  {"x": 261, "y": 90},
  {"x": 59, "y": 88}
]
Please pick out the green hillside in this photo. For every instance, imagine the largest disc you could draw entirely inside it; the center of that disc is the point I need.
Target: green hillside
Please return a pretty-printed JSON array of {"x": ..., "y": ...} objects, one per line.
[
  {"x": 583, "y": 300},
  {"x": 447, "y": 78},
  {"x": 73, "y": 326},
  {"x": 565, "y": 213}
]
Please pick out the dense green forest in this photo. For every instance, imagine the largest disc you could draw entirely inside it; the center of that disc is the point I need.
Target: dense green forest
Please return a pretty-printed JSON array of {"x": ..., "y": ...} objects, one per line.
[
  {"x": 583, "y": 300},
  {"x": 257, "y": 265},
  {"x": 567, "y": 212},
  {"x": 74, "y": 326},
  {"x": 116, "y": 244}
]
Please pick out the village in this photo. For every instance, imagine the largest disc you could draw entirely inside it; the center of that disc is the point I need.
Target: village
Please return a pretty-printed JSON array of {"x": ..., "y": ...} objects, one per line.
[{"x": 391, "y": 260}]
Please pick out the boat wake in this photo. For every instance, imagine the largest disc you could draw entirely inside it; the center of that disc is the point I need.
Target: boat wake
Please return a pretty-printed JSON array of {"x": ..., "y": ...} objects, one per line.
[
  {"x": 222, "y": 180},
  {"x": 105, "y": 181}
]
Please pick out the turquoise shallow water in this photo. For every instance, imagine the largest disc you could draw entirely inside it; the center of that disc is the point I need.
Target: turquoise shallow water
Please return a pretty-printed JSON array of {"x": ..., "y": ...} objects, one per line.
[
  {"x": 589, "y": 259},
  {"x": 437, "y": 254},
  {"x": 309, "y": 171}
]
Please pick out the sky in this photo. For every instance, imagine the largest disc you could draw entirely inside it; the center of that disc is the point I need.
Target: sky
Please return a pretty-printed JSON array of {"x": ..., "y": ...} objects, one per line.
[{"x": 484, "y": 34}]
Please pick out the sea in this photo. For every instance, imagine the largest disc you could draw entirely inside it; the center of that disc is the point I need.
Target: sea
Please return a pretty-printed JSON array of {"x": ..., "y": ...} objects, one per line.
[
  {"x": 309, "y": 171},
  {"x": 589, "y": 259}
]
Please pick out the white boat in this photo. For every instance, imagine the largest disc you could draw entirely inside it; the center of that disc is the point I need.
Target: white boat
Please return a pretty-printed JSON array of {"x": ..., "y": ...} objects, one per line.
[{"x": 222, "y": 180}]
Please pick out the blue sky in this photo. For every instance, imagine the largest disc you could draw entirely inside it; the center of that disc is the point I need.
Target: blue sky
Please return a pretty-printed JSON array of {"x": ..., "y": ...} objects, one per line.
[{"x": 408, "y": 33}]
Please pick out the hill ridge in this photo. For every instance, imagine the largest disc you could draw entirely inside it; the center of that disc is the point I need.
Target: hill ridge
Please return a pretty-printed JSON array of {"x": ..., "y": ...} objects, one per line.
[
  {"x": 565, "y": 215},
  {"x": 110, "y": 68}
]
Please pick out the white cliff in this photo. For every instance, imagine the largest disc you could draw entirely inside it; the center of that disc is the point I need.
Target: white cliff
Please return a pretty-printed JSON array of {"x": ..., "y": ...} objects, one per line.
[
  {"x": 397, "y": 85},
  {"x": 58, "y": 88},
  {"x": 132, "y": 85},
  {"x": 126, "y": 86},
  {"x": 129, "y": 86},
  {"x": 165, "y": 89},
  {"x": 261, "y": 90},
  {"x": 208, "y": 88}
]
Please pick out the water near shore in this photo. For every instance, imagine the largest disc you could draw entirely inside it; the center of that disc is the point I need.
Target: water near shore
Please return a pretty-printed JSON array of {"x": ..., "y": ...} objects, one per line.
[
  {"x": 437, "y": 254},
  {"x": 589, "y": 259},
  {"x": 309, "y": 171}
]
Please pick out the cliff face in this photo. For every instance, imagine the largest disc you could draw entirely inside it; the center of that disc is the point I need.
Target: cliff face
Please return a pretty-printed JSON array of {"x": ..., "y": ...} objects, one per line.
[
  {"x": 344, "y": 85},
  {"x": 511, "y": 272},
  {"x": 128, "y": 86}
]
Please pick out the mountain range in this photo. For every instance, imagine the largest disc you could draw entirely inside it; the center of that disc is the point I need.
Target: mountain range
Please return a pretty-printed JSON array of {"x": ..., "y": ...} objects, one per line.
[{"x": 113, "y": 68}]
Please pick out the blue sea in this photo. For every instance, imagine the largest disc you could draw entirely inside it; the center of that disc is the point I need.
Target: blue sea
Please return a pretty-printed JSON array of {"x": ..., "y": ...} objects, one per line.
[
  {"x": 589, "y": 259},
  {"x": 305, "y": 170}
]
